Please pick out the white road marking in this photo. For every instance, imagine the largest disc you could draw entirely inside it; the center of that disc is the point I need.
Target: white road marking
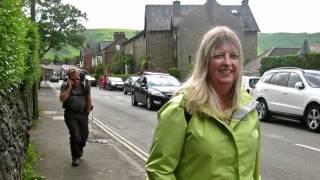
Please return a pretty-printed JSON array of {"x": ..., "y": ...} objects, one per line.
[
  {"x": 290, "y": 141},
  {"x": 137, "y": 151},
  {"x": 308, "y": 147},
  {"x": 274, "y": 136}
]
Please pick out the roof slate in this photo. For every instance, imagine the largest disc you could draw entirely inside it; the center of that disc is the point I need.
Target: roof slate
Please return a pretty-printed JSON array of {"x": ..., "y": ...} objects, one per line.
[
  {"x": 284, "y": 51},
  {"x": 159, "y": 17},
  {"x": 249, "y": 21}
]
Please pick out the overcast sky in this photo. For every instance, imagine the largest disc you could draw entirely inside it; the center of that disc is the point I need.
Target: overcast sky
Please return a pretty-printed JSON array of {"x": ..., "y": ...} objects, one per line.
[{"x": 271, "y": 15}]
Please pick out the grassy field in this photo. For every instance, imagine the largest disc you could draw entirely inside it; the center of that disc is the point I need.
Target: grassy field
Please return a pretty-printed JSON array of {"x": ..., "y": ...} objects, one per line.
[{"x": 265, "y": 41}]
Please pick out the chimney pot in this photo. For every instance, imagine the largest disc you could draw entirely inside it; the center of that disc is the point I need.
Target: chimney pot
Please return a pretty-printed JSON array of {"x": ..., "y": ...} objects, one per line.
[{"x": 176, "y": 8}]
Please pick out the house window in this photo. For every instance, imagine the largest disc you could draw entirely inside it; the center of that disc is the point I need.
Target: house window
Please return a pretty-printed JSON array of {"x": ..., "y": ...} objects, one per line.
[
  {"x": 118, "y": 47},
  {"x": 99, "y": 60}
]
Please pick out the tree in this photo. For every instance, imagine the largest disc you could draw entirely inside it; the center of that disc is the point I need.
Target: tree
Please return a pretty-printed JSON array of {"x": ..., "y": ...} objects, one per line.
[{"x": 59, "y": 25}]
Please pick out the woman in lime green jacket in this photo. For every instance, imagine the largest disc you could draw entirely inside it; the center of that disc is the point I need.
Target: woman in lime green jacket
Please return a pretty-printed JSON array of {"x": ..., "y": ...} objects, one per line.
[{"x": 210, "y": 129}]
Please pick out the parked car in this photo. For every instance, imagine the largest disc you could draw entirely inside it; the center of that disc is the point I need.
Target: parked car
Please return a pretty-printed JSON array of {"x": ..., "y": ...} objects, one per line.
[
  {"x": 54, "y": 78},
  {"x": 92, "y": 80},
  {"x": 115, "y": 83},
  {"x": 153, "y": 90},
  {"x": 128, "y": 84},
  {"x": 290, "y": 92},
  {"x": 249, "y": 82}
]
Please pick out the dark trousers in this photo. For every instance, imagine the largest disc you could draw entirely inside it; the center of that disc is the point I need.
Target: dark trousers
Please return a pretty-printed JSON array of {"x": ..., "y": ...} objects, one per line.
[{"x": 77, "y": 124}]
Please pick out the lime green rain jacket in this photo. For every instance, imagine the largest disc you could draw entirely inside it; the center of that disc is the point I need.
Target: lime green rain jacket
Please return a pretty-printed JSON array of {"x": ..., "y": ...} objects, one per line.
[{"x": 205, "y": 148}]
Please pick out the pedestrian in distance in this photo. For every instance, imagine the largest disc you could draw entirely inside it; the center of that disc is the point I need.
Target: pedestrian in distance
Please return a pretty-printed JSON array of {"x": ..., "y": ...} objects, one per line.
[
  {"x": 209, "y": 130},
  {"x": 77, "y": 104}
]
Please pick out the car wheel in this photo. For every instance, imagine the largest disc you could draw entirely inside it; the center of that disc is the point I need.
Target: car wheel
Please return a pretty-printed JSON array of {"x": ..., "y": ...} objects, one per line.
[
  {"x": 312, "y": 118},
  {"x": 149, "y": 103},
  {"x": 263, "y": 112},
  {"x": 134, "y": 102},
  {"x": 124, "y": 91}
]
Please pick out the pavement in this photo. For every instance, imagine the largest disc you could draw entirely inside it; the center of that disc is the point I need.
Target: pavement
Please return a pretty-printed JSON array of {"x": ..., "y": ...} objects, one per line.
[{"x": 103, "y": 159}]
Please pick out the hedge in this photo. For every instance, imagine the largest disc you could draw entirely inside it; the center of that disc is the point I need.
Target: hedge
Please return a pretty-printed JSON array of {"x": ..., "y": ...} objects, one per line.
[{"x": 19, "y": 43}]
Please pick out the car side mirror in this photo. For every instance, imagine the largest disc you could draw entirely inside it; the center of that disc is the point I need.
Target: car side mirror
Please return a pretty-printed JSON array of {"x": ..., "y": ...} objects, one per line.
[{"x": 299, "y": 85}]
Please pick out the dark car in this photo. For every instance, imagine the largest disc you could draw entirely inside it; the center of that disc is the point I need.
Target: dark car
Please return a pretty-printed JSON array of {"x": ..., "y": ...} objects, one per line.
[
  {"x": 128, "y": 84},
  {"x": 154, "y": 90},
  {"x": 115, "y": 83},
  {"x": 54, "y": 78}
]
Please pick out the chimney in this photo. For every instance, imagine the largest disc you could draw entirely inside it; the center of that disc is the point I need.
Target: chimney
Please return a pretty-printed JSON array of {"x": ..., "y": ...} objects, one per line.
[
  {"x": 118, "y": 36},
  {"x": 245, "y": 2},
  {"x": 211, "y": 2},
  {"x": 176, "y": 8}
]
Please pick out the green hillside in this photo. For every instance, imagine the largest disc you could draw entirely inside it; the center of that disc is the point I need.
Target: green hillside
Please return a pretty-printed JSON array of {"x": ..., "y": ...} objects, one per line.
[
  {"x": 289, "y": 40},
  {"x": 265, "y": 41},
  {"x": 92, "y": 37}
]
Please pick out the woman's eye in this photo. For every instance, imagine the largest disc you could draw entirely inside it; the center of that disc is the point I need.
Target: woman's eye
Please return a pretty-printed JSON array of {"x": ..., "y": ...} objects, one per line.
[
  {"x": 218, "y": 56},
  {"x": 234, "y": 56}
]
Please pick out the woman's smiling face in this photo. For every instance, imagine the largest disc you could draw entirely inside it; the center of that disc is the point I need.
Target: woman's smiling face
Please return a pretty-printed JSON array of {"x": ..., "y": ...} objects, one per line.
[{"x": 224, "y": 66}]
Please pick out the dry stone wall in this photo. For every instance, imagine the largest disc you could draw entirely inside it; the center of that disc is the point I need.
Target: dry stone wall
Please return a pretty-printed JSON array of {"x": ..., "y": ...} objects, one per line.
[{"x": 14, "y": 133}]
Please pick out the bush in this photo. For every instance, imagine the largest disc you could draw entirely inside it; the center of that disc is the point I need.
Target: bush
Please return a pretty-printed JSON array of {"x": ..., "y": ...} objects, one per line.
[
  {"x": 173, "y": 71},
  {"x": 19, "y": 47},
  {"x": 32, "y": 73},
  {"x": 143, "y": 62},
  {"x": 13, "y": 46}
]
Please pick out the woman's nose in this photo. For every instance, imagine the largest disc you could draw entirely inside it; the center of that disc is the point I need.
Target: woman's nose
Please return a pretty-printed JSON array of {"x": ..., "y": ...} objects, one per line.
[{"x": 227, "y": 59}]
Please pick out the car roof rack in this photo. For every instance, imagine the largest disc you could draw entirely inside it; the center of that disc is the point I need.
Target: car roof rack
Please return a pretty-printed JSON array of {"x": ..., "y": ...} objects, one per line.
[{"x": 287, "y": 68}]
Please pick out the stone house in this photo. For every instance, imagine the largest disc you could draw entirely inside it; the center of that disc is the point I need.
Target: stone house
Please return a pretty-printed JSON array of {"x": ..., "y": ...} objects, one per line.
[
  {"x": 136, "y": 46},
  {"x": 115, "y": 47},
  {"x": 86, "y": 55},
  {"x": 172, "y": 33},
  {"x": 98, "y": 49}
]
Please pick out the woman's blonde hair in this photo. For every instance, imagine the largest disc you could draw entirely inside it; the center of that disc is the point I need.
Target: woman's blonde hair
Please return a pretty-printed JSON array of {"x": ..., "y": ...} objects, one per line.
[{"x": 197, "y": 88}]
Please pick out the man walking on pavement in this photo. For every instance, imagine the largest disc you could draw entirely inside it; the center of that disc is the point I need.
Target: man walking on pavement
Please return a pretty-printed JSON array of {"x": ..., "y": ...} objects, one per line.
[{"x": 77, "y": 103}]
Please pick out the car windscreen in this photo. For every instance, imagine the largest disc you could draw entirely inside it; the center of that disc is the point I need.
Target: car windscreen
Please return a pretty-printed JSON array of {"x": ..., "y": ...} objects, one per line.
[
  {"x": 313, "y": 79},
  {"x": 116, "y": 79},
  {"x": 163, "y": 81}
]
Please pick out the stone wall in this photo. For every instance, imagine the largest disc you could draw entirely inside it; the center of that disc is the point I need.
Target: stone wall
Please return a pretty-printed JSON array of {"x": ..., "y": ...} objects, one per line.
[
  {"x": 139, "y": 51},
  {"x": 250, "y": 46},
  {"x": 137, "y": 48},
  {"x": 160, "y": 50},
  {"x": 14, "y": 132}
]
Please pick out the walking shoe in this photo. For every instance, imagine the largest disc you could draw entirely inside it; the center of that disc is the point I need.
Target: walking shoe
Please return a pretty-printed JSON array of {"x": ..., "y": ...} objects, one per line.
[{"x": 76, "y": 162}]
